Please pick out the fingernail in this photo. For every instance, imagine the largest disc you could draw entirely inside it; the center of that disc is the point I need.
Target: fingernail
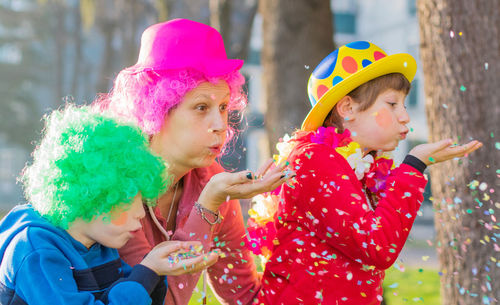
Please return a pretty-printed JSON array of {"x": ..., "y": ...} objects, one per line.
[{"x": 249, "y": 176}]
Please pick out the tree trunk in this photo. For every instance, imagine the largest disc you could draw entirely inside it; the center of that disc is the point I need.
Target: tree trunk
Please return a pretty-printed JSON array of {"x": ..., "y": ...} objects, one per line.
[
  {"x": 297, "y": 35},
  {"x": 220, "y": 16},
  {"x": 240, "y": 28},
  {"x": 461, "y": 60},
  {"x": 77, "y": 38},
  {"x": 197, "y": 10},
  {"x": 60, "y": 42}
]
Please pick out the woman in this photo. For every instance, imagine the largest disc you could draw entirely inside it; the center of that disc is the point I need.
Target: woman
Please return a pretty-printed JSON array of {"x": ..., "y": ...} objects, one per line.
[{"x": 180, "y": 93}]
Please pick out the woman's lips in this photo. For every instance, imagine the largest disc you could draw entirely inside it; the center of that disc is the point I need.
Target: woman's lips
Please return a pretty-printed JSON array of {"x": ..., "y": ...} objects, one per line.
[{"x": 215, "y": 149}]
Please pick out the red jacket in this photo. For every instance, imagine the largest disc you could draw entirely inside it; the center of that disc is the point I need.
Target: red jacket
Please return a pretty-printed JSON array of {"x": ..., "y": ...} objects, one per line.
[{"x": 333, "y": 248}]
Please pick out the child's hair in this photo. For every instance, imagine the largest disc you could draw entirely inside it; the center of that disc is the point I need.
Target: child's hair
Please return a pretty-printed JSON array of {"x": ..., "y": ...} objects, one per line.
[
  {"x": 367, "y": 93},
  {"x": 147, "y": 97},
  {"x": 87, "y": 165}
]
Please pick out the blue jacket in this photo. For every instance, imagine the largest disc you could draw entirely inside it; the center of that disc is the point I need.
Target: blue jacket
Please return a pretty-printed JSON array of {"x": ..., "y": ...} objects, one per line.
[{"x": 43, "y": 264}]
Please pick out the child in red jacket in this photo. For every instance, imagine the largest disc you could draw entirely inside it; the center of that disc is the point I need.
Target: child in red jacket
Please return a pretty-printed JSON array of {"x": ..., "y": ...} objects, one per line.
[{"x": 348, "y": 213}]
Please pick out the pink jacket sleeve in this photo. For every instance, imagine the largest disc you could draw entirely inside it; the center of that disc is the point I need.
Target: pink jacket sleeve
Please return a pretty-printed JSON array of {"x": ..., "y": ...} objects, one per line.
[{"x": 336, "y": 207}]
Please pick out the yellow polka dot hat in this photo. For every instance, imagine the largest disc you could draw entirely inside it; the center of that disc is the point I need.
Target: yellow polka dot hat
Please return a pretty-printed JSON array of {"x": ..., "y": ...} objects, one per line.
[{"x": 344, "y": 70}]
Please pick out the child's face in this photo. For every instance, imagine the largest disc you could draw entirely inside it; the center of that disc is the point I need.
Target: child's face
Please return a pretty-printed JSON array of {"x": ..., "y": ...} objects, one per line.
[
  {"x": 113, "y": 230},
  {"x": 383, "y": 125}
]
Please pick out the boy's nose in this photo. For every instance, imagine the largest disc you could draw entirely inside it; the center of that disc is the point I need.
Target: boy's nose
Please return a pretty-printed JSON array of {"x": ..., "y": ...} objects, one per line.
[
  {"x": 404, "y": 117},
  {"x": 140, "y": 213}
]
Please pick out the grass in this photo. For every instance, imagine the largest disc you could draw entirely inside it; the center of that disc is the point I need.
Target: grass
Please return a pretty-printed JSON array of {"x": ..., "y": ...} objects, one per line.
[
  {"x": 412, "y": 286},
  {"x": 401, "y": 286},
  {"x": 196, "y": 298}
]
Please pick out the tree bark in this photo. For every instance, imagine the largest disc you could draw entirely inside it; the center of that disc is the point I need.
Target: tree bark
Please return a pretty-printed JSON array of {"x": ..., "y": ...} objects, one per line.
[
  {"x": 297, "y": 35},
  {"x": 460, "y": 53}
]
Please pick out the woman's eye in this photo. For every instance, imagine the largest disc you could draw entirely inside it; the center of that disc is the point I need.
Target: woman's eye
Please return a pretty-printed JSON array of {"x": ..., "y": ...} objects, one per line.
[
  {"x": 223, "y": 107},
  {"x": 392, "y": 104},
  {"x": 201, "y": 107}
]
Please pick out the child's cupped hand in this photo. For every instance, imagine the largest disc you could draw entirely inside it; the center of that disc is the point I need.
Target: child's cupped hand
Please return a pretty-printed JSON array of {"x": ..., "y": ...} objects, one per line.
[
  {"x": 432, "y": 153},
  {"x": 176, "y": 258}
]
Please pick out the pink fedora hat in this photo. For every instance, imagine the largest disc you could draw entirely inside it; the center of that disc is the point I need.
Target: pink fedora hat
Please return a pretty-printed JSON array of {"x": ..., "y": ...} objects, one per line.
[{"x": 181, "y": 44}]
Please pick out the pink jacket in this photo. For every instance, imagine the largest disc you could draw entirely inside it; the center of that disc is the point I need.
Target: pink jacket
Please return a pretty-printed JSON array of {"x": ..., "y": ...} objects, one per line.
[{"x": 233, "y": 278}]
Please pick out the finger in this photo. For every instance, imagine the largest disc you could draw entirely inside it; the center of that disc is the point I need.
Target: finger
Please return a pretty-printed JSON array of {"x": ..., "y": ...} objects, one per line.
[
  {"x": 459, "y": 151},
  {"x": 477, "y": 146},
  {"x": 190, "y": 243},
  {"x": 194, "y": 246},
  {"x": 230, "y": 179},
  {"x": 281, "y": 169},
  {"x": 472, "y": 146},
  {"x": 268, "y": 183},
  {"x": 264, "y": 168},
  {"x": 167, "y": 247},
  {"x": 443, "y": 144},
  {"x": 209, "y": 259},
  {"x": 244, "y": 177},
  {"x": 195, "y": 264},
  {"x": 284, "y": 179},
  {"x": 189, "y": 265}
]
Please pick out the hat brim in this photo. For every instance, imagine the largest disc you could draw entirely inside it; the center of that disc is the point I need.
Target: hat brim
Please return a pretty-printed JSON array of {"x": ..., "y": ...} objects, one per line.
[
  {"x": 397, "y": 63},
  {"x": 211, "y": 68}
]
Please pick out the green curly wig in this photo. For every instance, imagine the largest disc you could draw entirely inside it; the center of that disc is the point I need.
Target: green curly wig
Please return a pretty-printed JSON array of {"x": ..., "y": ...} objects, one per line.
[{"x": 88, "y": 165}]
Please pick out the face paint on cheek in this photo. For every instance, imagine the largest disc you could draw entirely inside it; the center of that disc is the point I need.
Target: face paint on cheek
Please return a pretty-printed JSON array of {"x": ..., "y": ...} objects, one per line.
[
  {"x": 383, "y": 118},
  {"x": 120, "y": 220}
]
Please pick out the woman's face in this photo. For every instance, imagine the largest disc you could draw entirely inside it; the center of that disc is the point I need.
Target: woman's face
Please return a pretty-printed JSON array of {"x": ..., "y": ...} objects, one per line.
[{"x": 195, "y": 130}]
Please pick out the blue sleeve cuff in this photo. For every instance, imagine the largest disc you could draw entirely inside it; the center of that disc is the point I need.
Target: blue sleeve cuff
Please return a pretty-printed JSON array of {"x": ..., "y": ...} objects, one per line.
[
  {"x": 415, "y": 162},
  {"x": 144, "y": 276}
]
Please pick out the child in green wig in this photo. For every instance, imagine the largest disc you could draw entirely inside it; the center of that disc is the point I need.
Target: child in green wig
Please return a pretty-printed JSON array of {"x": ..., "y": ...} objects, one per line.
[{"x": 85, "y": 189}]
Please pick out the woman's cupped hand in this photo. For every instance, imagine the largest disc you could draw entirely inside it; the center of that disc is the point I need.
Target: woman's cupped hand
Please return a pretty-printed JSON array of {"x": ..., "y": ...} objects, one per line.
[{"x": 242, "y": 185}]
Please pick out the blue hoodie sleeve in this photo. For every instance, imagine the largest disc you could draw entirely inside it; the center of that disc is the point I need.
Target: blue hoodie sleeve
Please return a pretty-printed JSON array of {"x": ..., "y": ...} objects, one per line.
[{"x": 46, "y": 277}]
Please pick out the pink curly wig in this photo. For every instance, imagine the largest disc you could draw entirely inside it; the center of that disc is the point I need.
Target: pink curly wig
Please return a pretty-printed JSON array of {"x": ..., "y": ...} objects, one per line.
[{"x": 146, "y": 98}]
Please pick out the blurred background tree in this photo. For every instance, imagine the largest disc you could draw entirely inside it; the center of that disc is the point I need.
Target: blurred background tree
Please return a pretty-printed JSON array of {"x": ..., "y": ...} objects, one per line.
[
  {"x": 460, "y": 51},
  {"x": 297, "y": 35}
]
